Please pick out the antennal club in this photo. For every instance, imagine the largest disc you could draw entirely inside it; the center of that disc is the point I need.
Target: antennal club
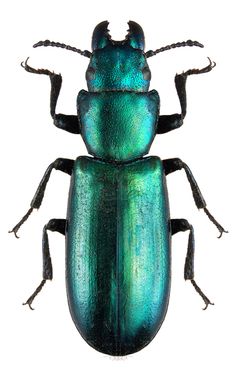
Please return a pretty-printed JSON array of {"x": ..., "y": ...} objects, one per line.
[
  {"x": 188, "y": 43},
  {"x": 48, "y": 43}
]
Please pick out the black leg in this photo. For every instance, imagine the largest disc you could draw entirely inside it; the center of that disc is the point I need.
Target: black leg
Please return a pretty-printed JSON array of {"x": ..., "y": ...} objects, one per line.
[
  {"x": 54, "y": 224},
  {"x": 174, "y": 121},
  {"x": 62, "y": 164},
  {"x": 63, "y": 121},
  {"x": 178, "y": 225},
  {"x": 174, "y": 164}
]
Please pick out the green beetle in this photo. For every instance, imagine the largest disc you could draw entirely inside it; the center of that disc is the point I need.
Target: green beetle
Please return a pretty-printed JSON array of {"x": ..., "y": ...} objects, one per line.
[{"x": 118, "y": 228}]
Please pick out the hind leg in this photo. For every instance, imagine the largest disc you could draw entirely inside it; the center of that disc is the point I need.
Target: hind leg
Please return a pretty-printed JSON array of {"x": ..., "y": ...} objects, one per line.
[{"x": 54, "y": 224}]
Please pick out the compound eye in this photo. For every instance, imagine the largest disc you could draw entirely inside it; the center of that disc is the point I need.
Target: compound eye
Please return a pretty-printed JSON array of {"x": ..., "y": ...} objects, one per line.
[
  {"x": 90, "y": 73},
  {"x": 146, "y": 73}
]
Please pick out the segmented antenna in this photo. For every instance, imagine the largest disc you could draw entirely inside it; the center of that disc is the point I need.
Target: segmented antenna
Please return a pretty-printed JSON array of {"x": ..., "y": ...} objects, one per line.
[
  {"x": 188, "y": 43},
  {"x": 48, "y": 43}
]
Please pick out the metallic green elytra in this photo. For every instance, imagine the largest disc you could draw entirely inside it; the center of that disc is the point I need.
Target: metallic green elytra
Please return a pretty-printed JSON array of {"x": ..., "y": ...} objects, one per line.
[
  {"x": 118, "y": 227},
  {"x": 118, "y": 252}
]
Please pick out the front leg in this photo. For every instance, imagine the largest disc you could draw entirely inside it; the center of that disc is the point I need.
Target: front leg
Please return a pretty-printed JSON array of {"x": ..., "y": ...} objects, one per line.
[
  {"x": 174, "y": 121},
  {"x": 62, "y": 164},
  {"x": 63, "y": 121},
  {"x": 174, "y": 164}
]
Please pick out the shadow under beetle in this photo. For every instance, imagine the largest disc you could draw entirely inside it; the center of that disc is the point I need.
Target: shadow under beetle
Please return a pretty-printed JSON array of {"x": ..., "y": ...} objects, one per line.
[{"x": 118, "y": 229}]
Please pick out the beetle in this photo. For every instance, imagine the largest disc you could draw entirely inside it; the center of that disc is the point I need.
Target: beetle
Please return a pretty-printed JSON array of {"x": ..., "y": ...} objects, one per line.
[{"x": 118, "y": 227}]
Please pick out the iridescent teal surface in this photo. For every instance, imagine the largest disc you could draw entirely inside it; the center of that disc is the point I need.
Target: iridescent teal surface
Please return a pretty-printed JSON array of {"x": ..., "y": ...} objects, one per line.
[
  {"x": 118, "y": 67},
  {"x": 118, "y": 125},
  {"x": 118, "y": 235},
  {"x": 118, "y": 252}
]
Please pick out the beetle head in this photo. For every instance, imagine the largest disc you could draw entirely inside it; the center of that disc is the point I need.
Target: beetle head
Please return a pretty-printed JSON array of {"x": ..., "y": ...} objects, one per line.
[{"x": 118, "y": 65}]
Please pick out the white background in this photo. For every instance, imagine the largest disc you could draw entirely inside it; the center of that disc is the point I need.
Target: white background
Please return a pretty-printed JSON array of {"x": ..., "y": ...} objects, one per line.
[{"x": 45, "y": 340}]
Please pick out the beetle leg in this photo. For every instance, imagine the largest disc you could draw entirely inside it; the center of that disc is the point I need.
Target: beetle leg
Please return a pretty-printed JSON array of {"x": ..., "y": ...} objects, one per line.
[
  {"x": 180, "y": 83},
  {"x": 174, "y": 121},
  {"x": 62, "y": 121},
  {"x": 62, "y": 164},
  {"x": 170, "y": 122},
  {"x": 178, "y": 225},
  {"x": 54, "y": 224},
  {"x": 174, "y": 164}
]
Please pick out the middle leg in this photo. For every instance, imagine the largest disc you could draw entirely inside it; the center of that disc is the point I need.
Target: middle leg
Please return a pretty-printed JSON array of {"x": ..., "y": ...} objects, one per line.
[{"x": 174, "y": 164}]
